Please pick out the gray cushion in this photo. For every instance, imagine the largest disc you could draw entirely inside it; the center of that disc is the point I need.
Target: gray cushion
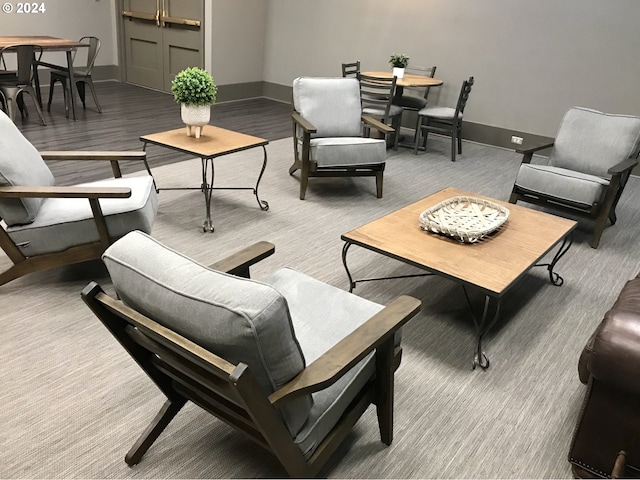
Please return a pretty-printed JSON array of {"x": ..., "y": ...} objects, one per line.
[
  {"x": 66, "y": 222},
  {"x": 379, "y": 112},
  {"x": 332, "y": 105},
  {"x": 411, "y": 102},
  {"x": 20, "y": 164},
  {"x": 347, "y": 151},
  {"x": 592, "y": 142},
  {"x": 570, "y": 185},
  {"x": 238, "y": 319},
  {"x": 319, "y": 327},
  {"x": 442, "y": 113}
]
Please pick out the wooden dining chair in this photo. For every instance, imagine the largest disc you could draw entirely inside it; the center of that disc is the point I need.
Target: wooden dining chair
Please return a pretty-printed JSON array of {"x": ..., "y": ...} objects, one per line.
[
  {"x": 351, "y": 69},
  {"x": 376, "y": 94}
]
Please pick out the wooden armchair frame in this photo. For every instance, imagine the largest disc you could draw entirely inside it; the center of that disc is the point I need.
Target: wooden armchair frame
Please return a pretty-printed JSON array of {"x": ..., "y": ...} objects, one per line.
[
  {"x": 184, "y": 371},
  {"x": 599, "y": 213},
  {"x": 308, "y": 168},
  {"x": 23, "y": 265}
]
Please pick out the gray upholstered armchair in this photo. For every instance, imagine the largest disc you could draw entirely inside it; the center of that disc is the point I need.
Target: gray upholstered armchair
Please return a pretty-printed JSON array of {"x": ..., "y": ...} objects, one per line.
[
  {"x": 588, "y": 167},
  {"x": 327, "y": 132},
  {"x": 290, "y": 361},
  {"x": 45, "y": 226}
]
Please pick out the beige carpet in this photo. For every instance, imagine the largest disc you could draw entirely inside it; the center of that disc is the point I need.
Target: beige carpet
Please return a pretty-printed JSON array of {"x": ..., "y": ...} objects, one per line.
[{"x": 74, "y": 402}]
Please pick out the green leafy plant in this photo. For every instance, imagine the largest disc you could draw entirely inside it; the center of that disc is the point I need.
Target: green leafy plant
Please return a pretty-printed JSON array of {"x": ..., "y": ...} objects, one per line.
[
  {"x": 398, "y": 60},
  {"x": 194, "y": 86}
]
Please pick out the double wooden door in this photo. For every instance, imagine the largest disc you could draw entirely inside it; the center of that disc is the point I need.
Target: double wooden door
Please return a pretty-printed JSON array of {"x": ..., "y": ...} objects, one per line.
[{"x": 161, "y": 38}]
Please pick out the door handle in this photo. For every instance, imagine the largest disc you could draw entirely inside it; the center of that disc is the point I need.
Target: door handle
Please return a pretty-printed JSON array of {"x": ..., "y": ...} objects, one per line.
[
  {"x": 141, "y": 15},
  {"x": 180, "y": 21}
]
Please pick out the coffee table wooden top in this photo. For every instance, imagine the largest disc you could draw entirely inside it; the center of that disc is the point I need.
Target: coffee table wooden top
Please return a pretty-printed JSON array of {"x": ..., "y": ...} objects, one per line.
[
  {"x": 493, "y": 264},
  {"x": 213, "y": 142}
]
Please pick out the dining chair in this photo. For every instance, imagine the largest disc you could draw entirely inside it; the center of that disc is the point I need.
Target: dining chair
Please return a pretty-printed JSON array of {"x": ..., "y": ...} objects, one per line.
[
  {"x": 376, "y": 95},
  {"x": 13, "y": 87},
  {"x": 415, "y": 98},
  {"x": 82, "y": 76},
  {"x": 444, "y": 120},
  {"x": 351, "y": 69}
]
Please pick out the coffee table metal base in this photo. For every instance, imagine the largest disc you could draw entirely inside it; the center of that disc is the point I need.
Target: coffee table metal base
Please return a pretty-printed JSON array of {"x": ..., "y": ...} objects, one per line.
[{"x": 482, "y": 325}]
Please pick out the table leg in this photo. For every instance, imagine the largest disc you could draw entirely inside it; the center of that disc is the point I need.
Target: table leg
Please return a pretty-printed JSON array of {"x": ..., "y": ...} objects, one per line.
[
  {"x": 36, "y": 81},
  {"x": 146, "y": 165},
  {"x": 480, "y": 358},
  {"x": 554, "y": 277},
  {"x": 207, "y": 189},
  {"x": 72, "y": 84},
  {"x": 345, "y": 247},
  {"x": 261, "y": 203}
]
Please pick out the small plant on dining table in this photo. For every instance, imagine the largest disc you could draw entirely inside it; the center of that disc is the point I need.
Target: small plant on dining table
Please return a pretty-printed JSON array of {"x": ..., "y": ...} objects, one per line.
[{"x": 398, "y": 60}]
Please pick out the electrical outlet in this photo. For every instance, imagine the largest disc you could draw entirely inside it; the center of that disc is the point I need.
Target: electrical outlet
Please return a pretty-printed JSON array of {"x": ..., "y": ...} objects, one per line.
[{"x": 516, "y": 140}]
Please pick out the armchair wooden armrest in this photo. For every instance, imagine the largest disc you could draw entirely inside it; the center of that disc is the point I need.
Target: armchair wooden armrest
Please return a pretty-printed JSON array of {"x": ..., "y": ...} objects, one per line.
[
  {"x": 112, "y": 157},
  {"x": 377, "y": 124},
  {"x": 304, "y": 124},
  {"x": 64, "y": 192},
  {"x": 89, "y": 155},
  {"x": 622, "y": 167},
  {"x": 327, "y": 369},
  {"x": 528, "y": 151},
  {"x": 239, "y": 263}
]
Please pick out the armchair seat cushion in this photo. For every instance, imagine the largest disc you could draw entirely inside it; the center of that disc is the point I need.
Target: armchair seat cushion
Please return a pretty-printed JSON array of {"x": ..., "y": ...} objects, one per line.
[
  {"x": 442, "y": 113},
  {"x": 347, "y": 151},
  {"x": 62, "y": 221},
  {"x": 317, "y": 331},
  {"x": 569, "y": 185}
]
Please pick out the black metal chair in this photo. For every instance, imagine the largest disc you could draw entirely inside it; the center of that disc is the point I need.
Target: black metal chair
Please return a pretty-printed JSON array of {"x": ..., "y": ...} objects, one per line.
[
  {"x": 14, "y": 86},
  {"x": 444, "y": 120},
  {"x": 82, "y": 76}
]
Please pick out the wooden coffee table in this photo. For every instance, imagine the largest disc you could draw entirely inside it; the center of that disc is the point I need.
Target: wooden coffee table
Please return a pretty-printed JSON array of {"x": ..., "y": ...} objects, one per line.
[
  {"x": 492, "y": 265},
  {"x": 213, "y": 143}
]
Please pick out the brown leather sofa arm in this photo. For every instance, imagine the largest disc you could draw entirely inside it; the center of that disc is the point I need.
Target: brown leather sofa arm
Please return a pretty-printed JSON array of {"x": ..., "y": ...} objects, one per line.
[{"x": 615, "y": 357}]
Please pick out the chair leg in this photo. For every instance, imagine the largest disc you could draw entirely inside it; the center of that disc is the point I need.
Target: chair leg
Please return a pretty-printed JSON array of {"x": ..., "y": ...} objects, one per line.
[
  {"x": 459, "y": 135},
  {"x": 52, "y": 84},
  {"x": 416, "y": 137},
  {"x": 80, "y": 87},
  {"x": 153, "y": 431},
  {"x": 93, "y": 94},
  {"x": 454, "y": 141},
  {"x": 379, "y": 177},
  {"x": 34, "y": 97},
  {"x": 385, "y": 390},
  {"x": 304, "y": 180},
  {"x": 600, "y": 223},
  {"x": 294, "y": 167}
]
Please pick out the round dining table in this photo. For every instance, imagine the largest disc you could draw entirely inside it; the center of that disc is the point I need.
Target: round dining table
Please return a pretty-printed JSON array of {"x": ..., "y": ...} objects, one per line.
[{"x": 409, "y": 79}]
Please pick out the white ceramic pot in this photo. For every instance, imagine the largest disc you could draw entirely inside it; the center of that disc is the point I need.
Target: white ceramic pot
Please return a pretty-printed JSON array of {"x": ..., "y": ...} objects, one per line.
[
  {"x": 398, "y": 72},
  {"x": 195, "y": 117}
]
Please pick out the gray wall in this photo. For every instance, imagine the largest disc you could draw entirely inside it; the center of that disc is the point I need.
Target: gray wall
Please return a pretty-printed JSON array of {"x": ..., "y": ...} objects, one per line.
[{"x": 531, "y": 59}]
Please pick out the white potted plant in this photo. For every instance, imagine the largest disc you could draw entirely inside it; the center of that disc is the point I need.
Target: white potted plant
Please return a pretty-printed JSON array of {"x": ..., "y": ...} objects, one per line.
[
  {"x": 194, "y": 89},
  {"x": 398, "y": 62}
]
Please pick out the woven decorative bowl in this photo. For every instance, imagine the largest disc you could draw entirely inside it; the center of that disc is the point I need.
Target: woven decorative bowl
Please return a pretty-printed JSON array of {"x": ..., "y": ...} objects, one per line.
[{"x": 467, "y": 219}]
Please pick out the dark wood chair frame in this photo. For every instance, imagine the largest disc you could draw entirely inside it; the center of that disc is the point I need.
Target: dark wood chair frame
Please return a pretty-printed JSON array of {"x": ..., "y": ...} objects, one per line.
[
  {"x": 425, "y": 71},
  {"x": 23, "y": 265},
  {"x": 184, "y": 371},
  {"x": 452, "y": 127},
  {"x": 351, "y": 69},
  {"x": 378, "y": 93},
  {"x": 599, "y": 213},
  {"x": 309, "y": 169}
]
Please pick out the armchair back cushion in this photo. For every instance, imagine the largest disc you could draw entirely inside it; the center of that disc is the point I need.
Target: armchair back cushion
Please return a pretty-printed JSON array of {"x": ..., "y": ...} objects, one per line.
[
  {"x": 332, "y": 105},
  {"x": 20, "y": 165},
  {"x": 592, "y": 142},
  {"x": 238, "y": 319}
]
